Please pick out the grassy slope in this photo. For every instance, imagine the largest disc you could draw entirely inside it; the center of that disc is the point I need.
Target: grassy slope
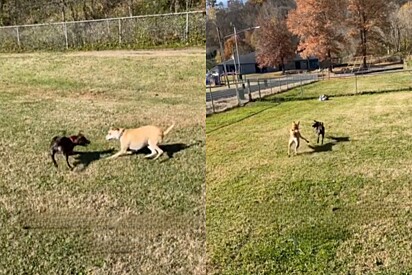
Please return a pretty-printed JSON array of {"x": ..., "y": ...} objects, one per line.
[
  {"x": 343, "y": 86},
  {"x": 337, "y": 208},
  {"x": 128, "y": 214}
]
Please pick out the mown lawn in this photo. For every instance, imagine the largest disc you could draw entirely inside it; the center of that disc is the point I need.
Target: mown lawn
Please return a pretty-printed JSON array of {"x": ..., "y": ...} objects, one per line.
[
  {"x": 341, "y": 208},
  {"x": 342, "y": 86},
  {"x": 123, "y": 216}
]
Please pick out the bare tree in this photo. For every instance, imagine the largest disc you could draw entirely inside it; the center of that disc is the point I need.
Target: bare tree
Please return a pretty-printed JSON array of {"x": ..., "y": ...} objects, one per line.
[{"x": 367, "y": 18}]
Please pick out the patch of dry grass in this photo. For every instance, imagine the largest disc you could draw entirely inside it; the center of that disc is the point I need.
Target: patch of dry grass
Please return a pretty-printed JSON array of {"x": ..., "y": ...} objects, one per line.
[{"x": 124, "y": 216}]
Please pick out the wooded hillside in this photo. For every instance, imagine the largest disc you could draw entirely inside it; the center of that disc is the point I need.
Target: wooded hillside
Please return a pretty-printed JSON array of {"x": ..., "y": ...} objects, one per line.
[
  {"x": 18, "y": 12},
  {"x": 322, "y": 28}
]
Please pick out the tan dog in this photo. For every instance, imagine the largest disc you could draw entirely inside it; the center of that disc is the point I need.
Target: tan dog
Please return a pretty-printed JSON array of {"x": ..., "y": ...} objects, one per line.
[
  {"x": 136, "y": 139},
  {"x": 295, "y": 137}
]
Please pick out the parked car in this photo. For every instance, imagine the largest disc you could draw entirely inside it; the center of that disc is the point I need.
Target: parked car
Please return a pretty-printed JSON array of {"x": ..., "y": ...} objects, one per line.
[{"x": 213, "y": 78}]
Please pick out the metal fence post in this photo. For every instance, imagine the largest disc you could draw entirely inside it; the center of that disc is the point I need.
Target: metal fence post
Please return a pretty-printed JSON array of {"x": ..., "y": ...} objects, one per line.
[
  {"x": 65, "y": 35},
  {"x": 120, "y": 31},
  {"x": 187, "y": 27},
  {"x": 260, "y": 96},
  {"x": 249, "y": 91},
  {"x": 270, "y": 86},
  {"x": 18, "y": 37},
  {"x": 211, "y": 99},
  {"x": 356, "y": 84},
  {"x": 108, "y": 27}
]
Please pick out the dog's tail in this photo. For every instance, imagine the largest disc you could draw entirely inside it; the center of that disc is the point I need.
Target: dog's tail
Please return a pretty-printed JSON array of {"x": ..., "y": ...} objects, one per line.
[{"x": 169, "y": 129}]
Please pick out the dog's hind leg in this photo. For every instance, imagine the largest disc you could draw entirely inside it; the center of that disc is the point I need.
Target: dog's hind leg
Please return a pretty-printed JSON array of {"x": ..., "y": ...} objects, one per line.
[
  {"x": 67, "y": 161},
  {"x": 52, "y": 153},
  {"x": 297, "y": 146},
  {"x": 153, "y": 152},
  {"x": 289, "y": 145},
  {"x": 159, "y": 152}
]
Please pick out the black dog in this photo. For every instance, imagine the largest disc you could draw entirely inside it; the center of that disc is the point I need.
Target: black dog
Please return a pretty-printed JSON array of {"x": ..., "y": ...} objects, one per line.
[
  {"x": 65, "y": 145},
  {"x": 319, "y": 129}
]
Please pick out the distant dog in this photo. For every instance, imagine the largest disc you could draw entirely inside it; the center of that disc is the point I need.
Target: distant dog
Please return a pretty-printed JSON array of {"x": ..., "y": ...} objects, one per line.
[
  {"x": 319, "y": 129},
  {"x": 295, "y": 137},
  {"x": 138, "y": 138},
  {"x": 323, "y": 97},
  {"x": 65, "y": 145}
]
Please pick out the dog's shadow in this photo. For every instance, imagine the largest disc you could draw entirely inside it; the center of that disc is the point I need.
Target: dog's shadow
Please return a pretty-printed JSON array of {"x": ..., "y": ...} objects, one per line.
[
  {"x": 326, "y": 147},
  {"x": 169, "y": 149},
  {"x": 86, "y": 158}
]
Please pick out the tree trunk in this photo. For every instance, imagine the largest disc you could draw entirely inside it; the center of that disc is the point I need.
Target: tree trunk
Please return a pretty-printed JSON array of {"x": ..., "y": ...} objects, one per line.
[
  {"x": 1, "y": 12},
  {"x": 330, "y": 61},
  {"x": 63, "y": 5},
  {"x": 364, "y": 48}
]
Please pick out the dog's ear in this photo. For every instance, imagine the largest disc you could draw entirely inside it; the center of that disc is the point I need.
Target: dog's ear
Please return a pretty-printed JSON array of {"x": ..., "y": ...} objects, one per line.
[{"x": 298, "y": 123}]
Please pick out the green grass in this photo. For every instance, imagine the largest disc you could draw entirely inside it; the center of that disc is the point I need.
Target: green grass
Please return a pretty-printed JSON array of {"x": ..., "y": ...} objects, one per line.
[
  {"x": 391, "y": 81},
  {"x": 340, "y": 208},
  {"x": 128, "y": 215}
]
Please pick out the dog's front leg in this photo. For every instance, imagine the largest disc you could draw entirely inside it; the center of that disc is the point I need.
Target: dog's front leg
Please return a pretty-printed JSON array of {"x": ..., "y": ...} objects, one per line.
[
  {"x": 307, "y": 141},
  {"x": 317, "y": 141}
]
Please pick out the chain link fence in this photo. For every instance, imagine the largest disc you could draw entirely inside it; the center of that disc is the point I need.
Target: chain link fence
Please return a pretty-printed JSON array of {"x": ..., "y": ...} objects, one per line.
[
  {"x": 186, "y": 28},
  {"x": 247, "y": 90}
]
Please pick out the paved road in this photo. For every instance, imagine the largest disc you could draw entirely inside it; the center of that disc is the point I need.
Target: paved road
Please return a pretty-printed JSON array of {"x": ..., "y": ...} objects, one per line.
[{"x": 254, "y": 86}]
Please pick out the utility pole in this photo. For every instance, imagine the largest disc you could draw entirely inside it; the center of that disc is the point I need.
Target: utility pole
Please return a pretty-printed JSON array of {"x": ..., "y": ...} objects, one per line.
[
  {"x": 237, "y": 53},
  {"x": 222, "y": 56}
]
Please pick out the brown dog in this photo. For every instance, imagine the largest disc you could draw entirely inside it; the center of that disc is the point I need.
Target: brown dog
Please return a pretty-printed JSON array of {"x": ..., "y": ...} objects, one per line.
[
  {"x": 135, "y": 139},
  {"x": 65, "y": 145},
  {"x": 295, "y": 137}
]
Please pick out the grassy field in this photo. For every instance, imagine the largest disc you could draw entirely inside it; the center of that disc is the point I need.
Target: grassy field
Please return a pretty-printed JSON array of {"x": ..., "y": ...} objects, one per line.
[
  {"x": 123, "y": 216},
  {"x": 390, "y": 81},
  {"x": 339, "y": 208}
]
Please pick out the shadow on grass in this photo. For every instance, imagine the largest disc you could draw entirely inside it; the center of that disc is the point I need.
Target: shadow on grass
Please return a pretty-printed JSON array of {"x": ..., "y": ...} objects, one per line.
[
  {"x": 326, "y": 147},
  {"x": 169, "y": 149},
  {"x": 86, "y": 158}
]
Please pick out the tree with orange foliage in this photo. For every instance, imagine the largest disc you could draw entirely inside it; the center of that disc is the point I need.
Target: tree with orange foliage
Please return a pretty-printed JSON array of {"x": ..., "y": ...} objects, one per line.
[
  {"x": 274, "y": 45},
  {"x": 318, "y": 24},
  {"x": 366, "y": 18},
  {"x": 229, "y": 47},
  {"x": 244, "y": 45}
]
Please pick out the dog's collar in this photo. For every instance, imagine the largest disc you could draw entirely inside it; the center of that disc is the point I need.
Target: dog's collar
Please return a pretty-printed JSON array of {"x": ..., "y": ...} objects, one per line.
[{"x": 121, "y": 133}]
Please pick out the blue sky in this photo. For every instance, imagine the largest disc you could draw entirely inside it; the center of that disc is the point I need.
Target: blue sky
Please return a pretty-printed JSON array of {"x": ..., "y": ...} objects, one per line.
[{"x": 223, "y": 1}]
